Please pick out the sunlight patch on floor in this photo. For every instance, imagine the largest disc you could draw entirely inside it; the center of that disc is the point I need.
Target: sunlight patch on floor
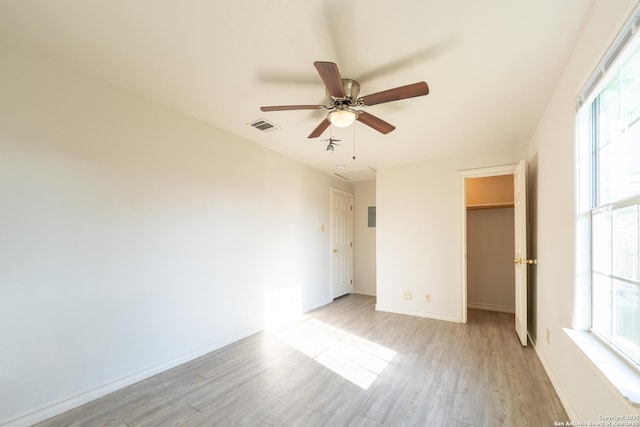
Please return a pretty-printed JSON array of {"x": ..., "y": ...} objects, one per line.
[{"x": 356, "y": 359}]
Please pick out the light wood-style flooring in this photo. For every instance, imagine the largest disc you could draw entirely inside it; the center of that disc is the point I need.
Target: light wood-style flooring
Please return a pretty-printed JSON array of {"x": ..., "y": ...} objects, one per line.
[{"x": 347, "y": 365}]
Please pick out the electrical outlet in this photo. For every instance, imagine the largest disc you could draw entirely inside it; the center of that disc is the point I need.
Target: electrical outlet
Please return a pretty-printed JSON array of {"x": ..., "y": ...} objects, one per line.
[
  {"x": 548, "y": 337},
  {"x": 407, "y": 295},
  {"x": 427, "y": 297}
]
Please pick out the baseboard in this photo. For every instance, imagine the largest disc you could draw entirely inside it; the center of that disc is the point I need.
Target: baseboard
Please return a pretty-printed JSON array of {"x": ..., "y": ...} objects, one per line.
[
  {"x": 491, "y": 307},
  {"x": 309, "y": 308},
  {"x": 49, "y": 411},
  {"x": 557, "y": 385},
  {"x": 417, "y": 314},
  {"x": 371, "y": 294}
]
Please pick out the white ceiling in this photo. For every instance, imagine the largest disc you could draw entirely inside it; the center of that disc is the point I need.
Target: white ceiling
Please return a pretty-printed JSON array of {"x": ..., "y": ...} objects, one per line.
[{"x": 491, "y": 65}]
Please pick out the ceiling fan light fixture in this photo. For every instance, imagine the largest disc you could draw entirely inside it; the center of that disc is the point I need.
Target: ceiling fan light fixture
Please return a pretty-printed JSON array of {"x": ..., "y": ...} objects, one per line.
[{"x": 342, "y": 117}]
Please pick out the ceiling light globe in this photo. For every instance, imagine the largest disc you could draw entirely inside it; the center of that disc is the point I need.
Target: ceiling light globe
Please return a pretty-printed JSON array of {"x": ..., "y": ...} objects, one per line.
[{"x": 342, "y": 118}]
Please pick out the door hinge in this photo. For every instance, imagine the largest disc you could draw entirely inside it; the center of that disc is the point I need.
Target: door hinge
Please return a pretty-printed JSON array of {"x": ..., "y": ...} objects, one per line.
[
  {"x": 351, "y": 208},
  {"x": 351, "y": 281},
  {"x": 351, "y": 244}
]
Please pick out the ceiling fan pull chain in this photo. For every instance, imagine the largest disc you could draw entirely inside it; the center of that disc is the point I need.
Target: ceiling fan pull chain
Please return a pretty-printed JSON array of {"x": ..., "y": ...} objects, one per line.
[{"x": 354, "y": 141}]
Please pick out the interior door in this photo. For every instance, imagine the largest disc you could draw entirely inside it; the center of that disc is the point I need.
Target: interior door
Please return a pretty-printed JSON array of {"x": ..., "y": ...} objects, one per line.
[
  {"x": 521, "y": 261},
  {"x": 341, "y": 243}
]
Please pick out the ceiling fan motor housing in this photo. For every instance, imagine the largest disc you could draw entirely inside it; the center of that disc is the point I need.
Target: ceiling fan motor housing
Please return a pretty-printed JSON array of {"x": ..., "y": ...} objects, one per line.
[{"x": 351, "y": 92}]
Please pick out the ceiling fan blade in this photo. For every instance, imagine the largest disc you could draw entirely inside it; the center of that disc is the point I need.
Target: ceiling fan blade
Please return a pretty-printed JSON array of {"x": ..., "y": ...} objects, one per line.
[
  {"x": 331, "y": 77},
  {"x": 402, "y": 92},
  {"x": 374, "y": 122},
  {"x": 291, "y": 107},
  {"x": 321, "y": 128}
]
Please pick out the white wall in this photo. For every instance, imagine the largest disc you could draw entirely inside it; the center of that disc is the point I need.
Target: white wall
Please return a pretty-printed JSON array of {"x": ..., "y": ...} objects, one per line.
[
  {"x": 365, "y": 238},
  {"x": 418, "y": 232},
  {"x": 133, "y": 237},
  {"x": 490, "y": 249},
  {"x": 552, "y": 155}
]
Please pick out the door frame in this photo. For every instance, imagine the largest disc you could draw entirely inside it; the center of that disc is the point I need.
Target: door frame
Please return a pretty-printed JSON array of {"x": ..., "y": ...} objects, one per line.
[
  {"x": 462, "y": 226},
  {"x": 333, "y": 191}
]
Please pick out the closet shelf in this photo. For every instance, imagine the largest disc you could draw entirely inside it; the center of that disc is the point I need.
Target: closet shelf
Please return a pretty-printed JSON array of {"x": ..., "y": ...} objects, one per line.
[{"x": 490, "y": 206}]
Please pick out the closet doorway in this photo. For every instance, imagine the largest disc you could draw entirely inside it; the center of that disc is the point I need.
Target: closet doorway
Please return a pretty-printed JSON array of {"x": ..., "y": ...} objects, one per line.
[
  {"x": 519, "y": 261},
  {"x": 490, "y": 243}
]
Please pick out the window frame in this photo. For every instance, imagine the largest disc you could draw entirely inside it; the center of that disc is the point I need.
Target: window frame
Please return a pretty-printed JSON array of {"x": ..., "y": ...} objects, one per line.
[{"x": 621, "y": 371}]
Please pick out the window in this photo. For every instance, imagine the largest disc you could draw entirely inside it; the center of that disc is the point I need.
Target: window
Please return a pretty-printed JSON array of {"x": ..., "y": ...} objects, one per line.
[{"x": 609, "y": 194}]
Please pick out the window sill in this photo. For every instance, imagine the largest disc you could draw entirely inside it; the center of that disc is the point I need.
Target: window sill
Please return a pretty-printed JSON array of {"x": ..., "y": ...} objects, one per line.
[{"x": 622, "y": 377}]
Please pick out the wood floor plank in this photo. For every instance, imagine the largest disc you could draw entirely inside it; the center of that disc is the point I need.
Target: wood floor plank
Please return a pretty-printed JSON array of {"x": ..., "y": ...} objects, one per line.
[
  {"x": 499, "y": 409},
  {"x": 227, "y": 411},
  {"x": 169, "y": 415},
  {"x": 469, "y": 404},
  {"x": 394, "y": 389},
  {"x": 165, "y": 400},
  {"x": 419, "y": 372}
]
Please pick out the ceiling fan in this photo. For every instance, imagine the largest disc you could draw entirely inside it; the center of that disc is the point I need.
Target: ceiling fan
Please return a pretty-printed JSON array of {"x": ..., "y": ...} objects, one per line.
[{"x": 343, "y": 94}]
